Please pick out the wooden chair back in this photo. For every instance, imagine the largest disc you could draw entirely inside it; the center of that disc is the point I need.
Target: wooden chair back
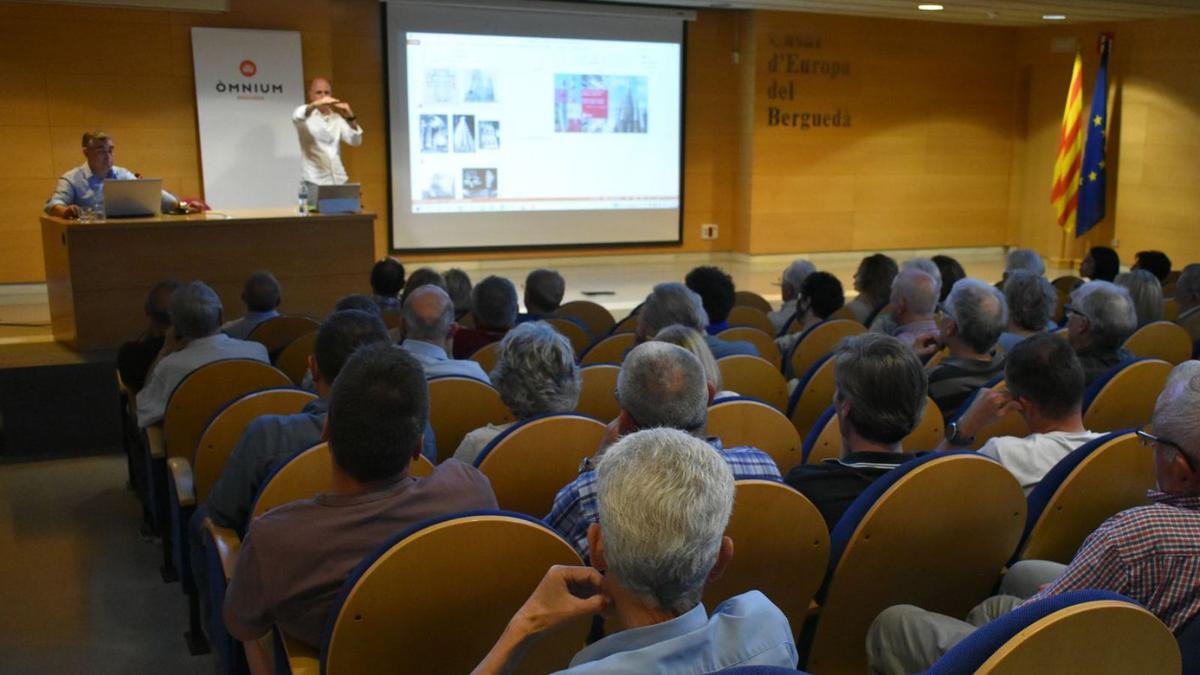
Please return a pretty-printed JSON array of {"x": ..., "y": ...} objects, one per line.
[
  {"x": 820, "y": 340},
  {"x": 752, "y": 317},
  {"x": 1161, "y": 340},
  {"x": 751, "y": 299},
  {"x": 1170, "y": 308},
  {"x": 597, "y": 391},
  {"x": 929, "y": 432},
  {"x": 599, "y": 321},
  {"x": 843, "y": 312},
  {"x": 487, "y": 356},
  {"x": 936, "y": 360},
  {"x": 763, "y": 342},
  {"x": 1127, "y": 398},
  {"x": 826, "y": 443},
  {"x": 609, "y": 350},
  {"x": 532, "y": 460},
  {"x": 626, "y": 325},
  {"x": 225, "y": 430},
  {"x": 741, "y": 421},
  {"x": 781, "y": 548},
  {"x": 206, "y": 390},
  {"x": 278, "y": 332},
  {"x": 580, "y": 340},
  {"x": 755, "y": 377},
  {"x": 293, "y": 360},
  {"x": 464, "y": 577},
  {"x": 812, "y": 395},
  {"x": 460, "y": 405},
  {"x": 934, "y": 532}
]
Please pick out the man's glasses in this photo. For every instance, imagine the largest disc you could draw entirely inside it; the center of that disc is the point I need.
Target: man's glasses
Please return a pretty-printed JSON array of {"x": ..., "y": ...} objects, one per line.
[
  {"x": 1150, "y": 440},
  {"x": 1069, "y": 310}
]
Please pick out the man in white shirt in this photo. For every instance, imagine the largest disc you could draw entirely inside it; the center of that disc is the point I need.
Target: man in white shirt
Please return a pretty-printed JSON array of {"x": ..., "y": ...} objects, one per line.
[
  {"x": 1044, "y": 385},
  {"x": 428, "y": 325},
  {"x": 323, "y": 124},
  {"x": 194, "y": 340}
]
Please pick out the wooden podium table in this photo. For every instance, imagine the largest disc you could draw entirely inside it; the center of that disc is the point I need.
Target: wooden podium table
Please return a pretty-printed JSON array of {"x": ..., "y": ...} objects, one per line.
[{"x": 98, "y": 273}]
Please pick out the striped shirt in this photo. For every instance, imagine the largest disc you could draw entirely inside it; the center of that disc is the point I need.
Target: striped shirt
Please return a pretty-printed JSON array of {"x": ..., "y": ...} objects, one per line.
[
  {"x": 1148, "y": 553},
  {"x": 575, "y": 505}
]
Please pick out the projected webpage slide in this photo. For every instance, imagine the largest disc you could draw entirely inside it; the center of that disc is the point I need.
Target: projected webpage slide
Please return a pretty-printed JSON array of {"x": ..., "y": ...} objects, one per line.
[{"x": 501, "y": 123}]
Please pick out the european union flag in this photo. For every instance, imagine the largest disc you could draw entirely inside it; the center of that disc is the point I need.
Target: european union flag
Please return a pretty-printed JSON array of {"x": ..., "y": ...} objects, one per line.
[{"x": 1092, "y": 177}]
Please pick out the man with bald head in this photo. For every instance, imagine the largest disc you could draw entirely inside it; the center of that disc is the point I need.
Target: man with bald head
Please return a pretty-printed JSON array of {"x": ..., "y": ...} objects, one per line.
[
  {"x": 914, "y": 298},
  {"x": 323, "y": 124},
  {"x": 428, "y": 326},
  {"x": 660, "y": 385}
]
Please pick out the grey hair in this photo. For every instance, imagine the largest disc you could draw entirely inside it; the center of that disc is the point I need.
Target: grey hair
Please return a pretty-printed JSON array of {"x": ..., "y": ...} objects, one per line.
[
  {"x": 918, "y": 288},
  {"x": 1025, "y": 259},
  {"x": 458, "y": 285},
  {"x": 1031, "y": 300},
  {"x": 1146, "y": 292},
  {"x": 417, "y": 327},
  {"x": 671, "y": 303},
  {"x": 663, "y": 385},
  {"x": 1109, "y": 311},
  {"x": 797, "y": 272},
  {"x": 494, "y": 302},
  {"x": 1175, "y": 415},
  {"x": 1189, "y": 283},
  {"x": 927, "y": 266},
  {"x": 980, "y": 312},
  {"x": 664, "y": 499},
  {"x": 693, "y": 341},
  {"x": 535, "y": 371},
  {"x": 195, "y": 310}
]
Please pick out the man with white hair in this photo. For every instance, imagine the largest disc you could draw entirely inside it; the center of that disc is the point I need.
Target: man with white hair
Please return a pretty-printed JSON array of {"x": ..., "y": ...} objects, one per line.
[
  {"x": 428, "y": 326},
  {"x": 1100, "y": 317},
  {"x": 914, "y": 298},
  {"x": 1024, "y": 259},
  {"x": 793, "y": 278},
  {"x": 660, "y": 385},
  {"x": 1187, "y": 295},
  {"x": 664, "y": 500},
  {"x": 673, "y": 303},
  {"x": 969, "y": 324},
  {"x": 1149, "y": 553}
]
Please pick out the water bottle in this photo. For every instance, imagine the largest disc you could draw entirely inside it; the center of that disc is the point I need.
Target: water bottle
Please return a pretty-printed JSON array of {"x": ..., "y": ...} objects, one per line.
[
  {"x": 98, "y": 206},
  {"x": 303, "y": 198}
]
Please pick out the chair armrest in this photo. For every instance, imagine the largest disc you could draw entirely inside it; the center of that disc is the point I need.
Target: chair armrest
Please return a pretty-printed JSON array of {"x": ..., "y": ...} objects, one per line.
[
  {"x": 154, "y": 441},
  {"x": 228, "y": 544},
  {"x": 184, "y": 479},
  {"x": 302, "y": 659}
]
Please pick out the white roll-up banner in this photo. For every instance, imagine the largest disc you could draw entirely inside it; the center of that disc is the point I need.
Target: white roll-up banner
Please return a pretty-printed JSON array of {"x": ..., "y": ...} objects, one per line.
[{"x": 248, "y": 82}]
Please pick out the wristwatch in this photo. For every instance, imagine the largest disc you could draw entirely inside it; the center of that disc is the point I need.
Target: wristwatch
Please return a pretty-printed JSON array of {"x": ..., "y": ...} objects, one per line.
[{"x": 954, "y": 438}]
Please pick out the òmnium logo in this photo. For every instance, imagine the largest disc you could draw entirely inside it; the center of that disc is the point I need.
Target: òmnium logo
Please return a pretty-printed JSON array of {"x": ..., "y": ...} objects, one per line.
[
  {"x": 252, "y": 91},
  {"x": 248, "y": 68}
]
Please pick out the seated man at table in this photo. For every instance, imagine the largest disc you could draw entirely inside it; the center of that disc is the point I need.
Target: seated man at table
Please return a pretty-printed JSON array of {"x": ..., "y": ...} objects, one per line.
[
  {"x": 665, "y": 498},
  {"x": 195, "y": 339},
  {"x": 296, "y": 557},
  {"x": 81, "y": 187},
  {"x": 262, "y": 297}
]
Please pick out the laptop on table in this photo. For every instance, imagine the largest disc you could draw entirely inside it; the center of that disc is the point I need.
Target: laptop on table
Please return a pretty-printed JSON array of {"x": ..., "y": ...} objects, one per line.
[{"x": 132, "y": 198}]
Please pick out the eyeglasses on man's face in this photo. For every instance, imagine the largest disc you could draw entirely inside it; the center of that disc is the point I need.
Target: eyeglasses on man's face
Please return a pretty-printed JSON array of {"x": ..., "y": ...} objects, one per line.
[{"x": 1150, "y": 440}]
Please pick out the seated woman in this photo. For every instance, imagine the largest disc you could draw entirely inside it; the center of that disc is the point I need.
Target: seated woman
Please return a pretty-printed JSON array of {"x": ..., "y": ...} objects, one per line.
[
  {"x": 1146, "y": 292},
  {"x": 873, "y": 281},
  {"x": 691, "y": 340},
  {"x": 535, "y": 374},
  {"x": 1031, "y": 303}
]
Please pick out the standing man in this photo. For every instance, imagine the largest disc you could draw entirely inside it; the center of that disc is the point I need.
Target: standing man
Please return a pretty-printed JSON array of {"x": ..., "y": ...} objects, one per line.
[
  {"x": 81, "y": 187},
  {"x": 323, "y": 124}
]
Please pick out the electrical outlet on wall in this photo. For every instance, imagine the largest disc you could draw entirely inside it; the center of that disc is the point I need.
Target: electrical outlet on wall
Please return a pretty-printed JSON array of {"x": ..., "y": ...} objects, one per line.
[{"x": 708, "y": 231}]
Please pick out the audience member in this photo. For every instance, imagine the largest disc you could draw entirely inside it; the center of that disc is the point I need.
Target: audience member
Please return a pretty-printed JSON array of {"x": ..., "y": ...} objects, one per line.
[
  {"x": 494, "y": 307},
  {"x": 544, "y": 291},
  {"x": 358, "y": 301},
  {"x": 1024, "y": 259},
  {"x": 428, "y": 326},
  {"x": 1044, "y": 385},
  {"x": 1187, "y": 296},
  {"x": 134, "y": 358},
  {"x": 885, "y": 321},
  {"x": 1101, "y": 264},
  {"x": 951, "y": 271},
  {"x": 673, "y": 303},
  {"x": 1147, "y": 553},
  {"x": 660, "y": 385},
  {"x": 693, "y": 341},
  {"x": 262, "y": 296},
  {"x": 1146, "y": 293},
  {"x": 1100, "y": 317},
  {"x": 914, "y": 299},
  {"x": 717, "y": 294},
  {"x": 971, "y": 321},
  {"x": 1031, "y": 303},
  {"x": 194, "y": 340},
  {"x": 387, "y": 280},
  {"x": 664, "y": 499},
  {"x": 423, "y": 276},
  {"x": 879, "y": 397},
  {"x": 1154, "y": 262},
  {"x": 458, "y": 285},
  {"x": 296, "y": 557},
  {"x": 820, "y": 296},
  {"x": 873, "y": 282},
  {"x": 535, "y": 374},
  {"x": 789, "y": 288}
]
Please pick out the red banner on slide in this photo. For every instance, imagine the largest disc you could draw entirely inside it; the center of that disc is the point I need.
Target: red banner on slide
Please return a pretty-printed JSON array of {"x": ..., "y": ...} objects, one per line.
[{"x": 595, "y": 103}]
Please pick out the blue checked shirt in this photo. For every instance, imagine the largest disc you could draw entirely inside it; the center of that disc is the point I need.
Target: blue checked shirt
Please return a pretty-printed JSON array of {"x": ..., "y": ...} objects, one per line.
[{"x": 575, "y": 505}]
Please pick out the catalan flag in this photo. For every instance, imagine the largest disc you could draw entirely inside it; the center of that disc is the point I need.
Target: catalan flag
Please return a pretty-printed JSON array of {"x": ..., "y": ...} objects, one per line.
[
  {"x": 1092, "y": 182},
  {"x": 1064, "y": 194}
]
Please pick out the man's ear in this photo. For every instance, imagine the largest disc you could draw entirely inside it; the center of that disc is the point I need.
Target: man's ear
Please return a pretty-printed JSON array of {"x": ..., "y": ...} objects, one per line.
[
  {"x": 724, "y": 555},
  {"x": 712, "y": 391},
  {"x": 625, "y": 423},
  {"x": 325, "y": 430},
  {"x": 595, "y": 541}
]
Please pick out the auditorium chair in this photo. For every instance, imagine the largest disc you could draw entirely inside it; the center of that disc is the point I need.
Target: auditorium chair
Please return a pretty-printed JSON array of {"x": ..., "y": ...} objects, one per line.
[
  {"x": 753, "y": 300},
  {"x": 597, "y": 391},
  {"x": 458, "y": 406},
  {"x": 436, "y": 598},
  {"x": 934, "y": 532},
  {"x": 819, "y": 341},
  {"x": 1083, "y": 632},
  {"x": 579, "y": 338},
  {"x": 755, "y": 377},
  {"x": 1161, "y": 340},
  {"x": 935, "y": 360},
  {"x": 1062, "y": 290},
  {"x": 1170, "y": 308},
  {"x": 1095, "y": 481},
  {"x": 781, "y": 547},
  {"x": 751, "y": 317},
  {"x": 530, "y": 461},
  {"x": 593, "y": 315},
  {"x": 1011, "y": 424},
  {"x": 190, "y": 480},
  {"x": 293, "y": 360},
  {"x": 1124, "y": 397},
  {"x": 762, "y": 342},
  {"x": 812, "y": 395},
  {"x": 486, "y": 356},
  {"x": 824, "y": 440},
  {"x": 743, "y": 421},
  {"x": 843, "y": 312},
  {"x": 626, "y": 325},
  {"x": 611, "y": 349},
  {"x": 278, "y": 332}
]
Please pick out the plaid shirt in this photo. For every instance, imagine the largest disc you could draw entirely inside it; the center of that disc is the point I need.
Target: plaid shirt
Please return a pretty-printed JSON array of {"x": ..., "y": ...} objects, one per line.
[
  {"x": 1148, "y": 553},
  {"x": 575, "y": 505}
]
